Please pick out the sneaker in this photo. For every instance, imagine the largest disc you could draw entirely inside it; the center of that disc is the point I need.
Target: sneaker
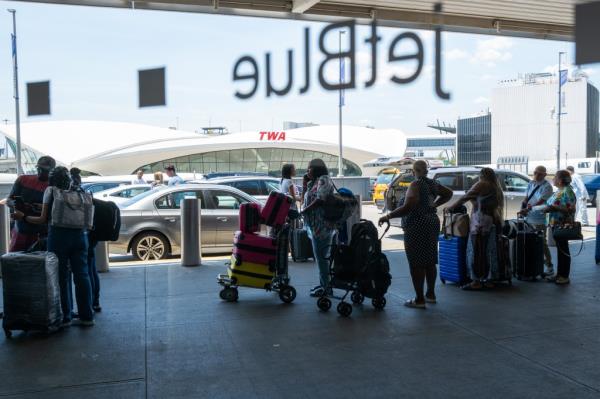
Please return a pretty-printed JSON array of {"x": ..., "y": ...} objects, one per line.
[
  {"x": 562, "y": 280},
  {"x": 97, "y": 308},
  {"x": 317, "y": 291},
  {"x": 86, "y": 323},
  {"x": 549, "y": 271},
  {"x": 66, "y": 324}
]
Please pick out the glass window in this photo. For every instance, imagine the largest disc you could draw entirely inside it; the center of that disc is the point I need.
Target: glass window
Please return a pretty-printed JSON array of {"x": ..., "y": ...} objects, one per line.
[
  {"x": 470, "y": 179},
  {"x": 250, "y": 187},
  {"x": 225, "y": 199},
  {"x": 276, "y": 154},
  {"x": 222, "y": 156},
  {"x": 236, "y": 156},
  {"x": 173, "y": 200},
  {"x": 271, "y": 186},
  {"x": 209, "y": 157},
  {"x": 450, "y": 180},
  {"x": 122, "y": 194},
  {"x": 249, "y": 155},
  {"x": 132, "y": 192},
  {"x": 515, "y": 183}
]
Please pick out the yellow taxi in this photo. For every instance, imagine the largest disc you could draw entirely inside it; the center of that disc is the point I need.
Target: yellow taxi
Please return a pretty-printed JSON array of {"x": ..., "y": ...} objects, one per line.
[{"x": 384, "y": 178}]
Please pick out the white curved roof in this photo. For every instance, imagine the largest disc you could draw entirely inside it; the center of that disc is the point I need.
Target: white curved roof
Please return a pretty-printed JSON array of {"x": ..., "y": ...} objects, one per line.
[{"x": 109, "y": 148}]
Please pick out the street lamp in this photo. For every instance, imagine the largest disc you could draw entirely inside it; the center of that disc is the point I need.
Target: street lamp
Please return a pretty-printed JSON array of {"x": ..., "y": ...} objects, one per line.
[{"x": 341, "y": 104}]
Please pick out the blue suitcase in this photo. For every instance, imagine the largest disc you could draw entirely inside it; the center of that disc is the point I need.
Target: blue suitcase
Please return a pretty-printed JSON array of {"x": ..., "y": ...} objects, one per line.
[{"x": 453, "y": 259}]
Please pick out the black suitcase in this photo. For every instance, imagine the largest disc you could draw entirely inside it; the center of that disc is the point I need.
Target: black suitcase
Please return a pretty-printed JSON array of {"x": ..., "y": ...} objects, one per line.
[
  {"x": 527, "y": 254},
  {"x": 31, "y": 292},
  {"x": 301, "y": 244},
  {"x": 282, "y": 251},
  {"x": 107, "y": 221}
]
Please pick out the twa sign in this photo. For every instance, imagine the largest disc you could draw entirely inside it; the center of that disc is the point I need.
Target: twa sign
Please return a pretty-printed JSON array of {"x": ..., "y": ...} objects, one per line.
[{"x": 272, "y": 136}]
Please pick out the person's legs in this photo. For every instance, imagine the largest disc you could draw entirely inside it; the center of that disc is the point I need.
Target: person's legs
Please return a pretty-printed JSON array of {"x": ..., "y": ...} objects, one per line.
[
  {"x": 564, "y": 259},
  {"x": 57, "y": 243},
  {"x": 323, "y": 247},
  {"x": 430, "y": 277},
  {"x": 547, "y": 253},
  {"x": 93, "y": 271},
  {"x": 83, "y": 288},
  {"x": 417, "y": 275},
  {"x": 582, "y": 214}
]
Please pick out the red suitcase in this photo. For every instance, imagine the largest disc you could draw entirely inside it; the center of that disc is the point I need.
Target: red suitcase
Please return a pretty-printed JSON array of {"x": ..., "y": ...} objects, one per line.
[
  {"x": 254, "y": 248},
  {"x": 276, "y": 209},
  {"x": 250, "y": 217}
]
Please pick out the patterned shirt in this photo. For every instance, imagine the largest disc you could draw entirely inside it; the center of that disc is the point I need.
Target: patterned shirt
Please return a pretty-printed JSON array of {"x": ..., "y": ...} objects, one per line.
[
  {"x": 564, "y": 197},
  {"x": 315, "y": 218}
]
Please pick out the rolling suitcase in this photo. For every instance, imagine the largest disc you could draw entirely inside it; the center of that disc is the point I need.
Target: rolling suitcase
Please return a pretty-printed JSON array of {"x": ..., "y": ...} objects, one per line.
[
  {"x": 453, "y": 259},
  {"x": 255, "y": 248},
  {"x": 250, "y": 274},
  {"x": 31, "y": 292},
  {"x": 282, "y": 250},
  {"x": 276, "y": 209},
  {"x": 249, "y": 217},
  {"x": 527, "y": 254},
  {"x": 302, "y": 249}
]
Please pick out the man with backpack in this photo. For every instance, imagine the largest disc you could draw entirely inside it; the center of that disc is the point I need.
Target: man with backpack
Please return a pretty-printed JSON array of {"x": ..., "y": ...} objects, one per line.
[{"x": 538, "y": 192}]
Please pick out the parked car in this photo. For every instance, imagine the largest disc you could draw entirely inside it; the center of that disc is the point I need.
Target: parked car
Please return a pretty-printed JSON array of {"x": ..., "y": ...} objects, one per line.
[
  {"x": 100, "y": 186},
  {"x": 592, "y": 185},
  {"x": 123, "y": 193},
  {"x": 460, "y": 180},
  {"x": 257, "y": 186},
  {"x": 151, "y": 222}
]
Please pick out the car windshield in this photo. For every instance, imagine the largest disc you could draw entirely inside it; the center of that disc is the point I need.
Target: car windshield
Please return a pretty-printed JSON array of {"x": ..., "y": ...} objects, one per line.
[
  {"x": 141, "y": 196},
  {"x": 385, "y": 178}
]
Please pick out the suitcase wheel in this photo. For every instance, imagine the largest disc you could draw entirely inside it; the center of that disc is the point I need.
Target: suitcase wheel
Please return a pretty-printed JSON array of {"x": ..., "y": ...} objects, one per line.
[
  {"x": 344, "y": 309},
  {"x": 379, "y": 303},
  {"x": 357, "y": 298},
  {"x": 229, "y": 294},
  {"x": 7, "y": 333},
  {"x": 324, "y": 304},
  {"x": 287, "y": 294}
]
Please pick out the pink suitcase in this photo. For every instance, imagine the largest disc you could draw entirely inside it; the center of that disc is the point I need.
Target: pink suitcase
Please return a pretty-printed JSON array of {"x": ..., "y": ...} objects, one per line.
[
  {"x": 250, "y": 217},
  {"x": 276, "y": 209},
  {"x": 254, "y": 248}
]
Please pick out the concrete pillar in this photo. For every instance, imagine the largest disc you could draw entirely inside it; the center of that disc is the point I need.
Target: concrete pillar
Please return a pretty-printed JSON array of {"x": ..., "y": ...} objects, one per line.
[{"x": 102, "y": 264}]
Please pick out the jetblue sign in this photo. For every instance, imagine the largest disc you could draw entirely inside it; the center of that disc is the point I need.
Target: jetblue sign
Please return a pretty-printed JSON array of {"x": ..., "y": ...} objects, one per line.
[{"x": 247, "y": 68}]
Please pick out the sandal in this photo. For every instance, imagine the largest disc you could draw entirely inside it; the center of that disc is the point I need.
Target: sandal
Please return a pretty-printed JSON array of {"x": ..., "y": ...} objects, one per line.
[
  {"x": 411, "y": 303},
  {"x": 430, "y": 299},
  {"x": 489, "y": 285},
  {"x": 472, "y": 287}
]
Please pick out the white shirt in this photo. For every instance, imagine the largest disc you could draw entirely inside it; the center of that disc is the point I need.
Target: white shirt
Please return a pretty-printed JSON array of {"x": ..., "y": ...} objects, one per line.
[
  {"x": 579, "y": 187},
  {"x": 285, "y": 189},
  {"x": 138, "y": 181}
]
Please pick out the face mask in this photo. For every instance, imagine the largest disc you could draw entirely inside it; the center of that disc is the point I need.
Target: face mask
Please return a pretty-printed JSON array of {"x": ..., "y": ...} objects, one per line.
[{"x": 42, "y": 175}]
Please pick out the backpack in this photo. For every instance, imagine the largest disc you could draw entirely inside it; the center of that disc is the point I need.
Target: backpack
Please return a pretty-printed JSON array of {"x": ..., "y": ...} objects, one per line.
[
  {"x": 107, "y": 221},
  {"x": 370, "y": 262},
  {"x": 72, "y": 209}
]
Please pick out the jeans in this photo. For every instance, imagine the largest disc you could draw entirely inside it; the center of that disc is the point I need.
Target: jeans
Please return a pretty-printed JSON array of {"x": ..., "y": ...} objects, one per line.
[
  {"x": 564, "y": 258},
  {"x": 71, "y": 248},
  {"x": 321, "y": 250},
  {"x": 93, "y": 271}
]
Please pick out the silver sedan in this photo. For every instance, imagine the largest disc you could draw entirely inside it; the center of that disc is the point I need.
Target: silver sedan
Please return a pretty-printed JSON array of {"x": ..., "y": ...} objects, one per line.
[{"x": 151, "y": 225}]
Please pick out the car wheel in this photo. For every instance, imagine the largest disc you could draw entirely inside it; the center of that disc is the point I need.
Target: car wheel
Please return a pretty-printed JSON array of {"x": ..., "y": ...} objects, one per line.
[{"x": 150, "y": 246}]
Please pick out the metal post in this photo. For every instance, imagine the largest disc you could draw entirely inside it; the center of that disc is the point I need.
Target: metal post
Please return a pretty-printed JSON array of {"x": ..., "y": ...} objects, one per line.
[
  {"x": 191, "y": 245},
  {"x": 341, "y": 104},
  {"x": 559, "y": 111},
  {"x": 102, "y": 264},
  {"x": 16, "y": 92}
]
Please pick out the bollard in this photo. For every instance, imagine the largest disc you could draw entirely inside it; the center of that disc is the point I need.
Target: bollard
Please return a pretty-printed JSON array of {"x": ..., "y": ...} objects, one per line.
[
  {"x": 191, "y": 247},
  {"x": 102, "y": 257},
  {"x": 4, "y": 230},
  {"x": 597, "y": 202}
]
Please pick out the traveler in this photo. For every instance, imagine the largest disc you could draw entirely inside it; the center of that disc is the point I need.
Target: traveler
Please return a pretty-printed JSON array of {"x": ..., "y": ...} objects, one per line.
[
  {"x": 174, "y": 179},
  {"x": 538, "y": 192},
  {"x": 319, "y": 187},
  {"x": 26, "y": 196},
  {"x": 71, "y": 247},
  {"x": 158, "y": 180},
  {"x": 487, "y": 199},
  {"x": 582, "y": 196},
  {"x": 421, "y": 229},
  {"x": 139, "y": 178},
  {"x": 561, "y": 208},
  {"x": 287, "y": 187}
]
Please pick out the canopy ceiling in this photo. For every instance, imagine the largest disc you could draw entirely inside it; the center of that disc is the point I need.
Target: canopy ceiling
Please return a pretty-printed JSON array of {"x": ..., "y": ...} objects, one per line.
[{"x": 546, "y": 19}]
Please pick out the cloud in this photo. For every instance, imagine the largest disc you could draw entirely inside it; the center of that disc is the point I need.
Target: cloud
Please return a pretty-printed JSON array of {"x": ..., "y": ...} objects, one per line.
[
  {"x": 487, "y": 76},
  {"x": 489, "y": 52},
  {"x": 455, "y": 54},
  {"x": 481, "y": 100}
]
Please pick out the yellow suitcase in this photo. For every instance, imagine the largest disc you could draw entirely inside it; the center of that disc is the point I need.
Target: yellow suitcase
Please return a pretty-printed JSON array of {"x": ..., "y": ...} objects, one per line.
[{"x": 250, "y": 274}]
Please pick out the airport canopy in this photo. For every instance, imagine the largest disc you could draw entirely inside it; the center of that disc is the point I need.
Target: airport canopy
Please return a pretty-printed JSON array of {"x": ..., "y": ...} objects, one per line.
[{"x": 546, "y": 19}]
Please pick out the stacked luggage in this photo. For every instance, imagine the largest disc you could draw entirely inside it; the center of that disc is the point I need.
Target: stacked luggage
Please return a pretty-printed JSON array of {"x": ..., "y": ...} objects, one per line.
[
  {"x": 301, "y": 244},
  {"x": 526, "y": 251},
  {"x": 360, "y": 268},
  {"x": 260, "y": 261},
  {"x": 31, "y": 292}
]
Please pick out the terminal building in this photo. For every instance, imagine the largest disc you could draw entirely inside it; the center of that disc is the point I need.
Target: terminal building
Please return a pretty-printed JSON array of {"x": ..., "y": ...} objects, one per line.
[
  {"x": 113, "y": 148},
  {"x": 522, "y": 126}
]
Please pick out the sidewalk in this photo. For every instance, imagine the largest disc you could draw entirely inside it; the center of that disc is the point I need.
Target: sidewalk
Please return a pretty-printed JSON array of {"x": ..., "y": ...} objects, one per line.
[{"x": 164, "y": 333}]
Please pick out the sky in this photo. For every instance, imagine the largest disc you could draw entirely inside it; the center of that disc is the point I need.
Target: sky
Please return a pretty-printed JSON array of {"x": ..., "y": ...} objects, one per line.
[{"x": 91, "y": 57}]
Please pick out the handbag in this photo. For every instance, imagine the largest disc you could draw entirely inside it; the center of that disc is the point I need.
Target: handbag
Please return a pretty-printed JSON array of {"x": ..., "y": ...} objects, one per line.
[
  {"x": 72, "y": 209},
  {"x": 339, "y": 206},
  {"x": 456, "y": 224},
  {"x": 568, "y": 232}
]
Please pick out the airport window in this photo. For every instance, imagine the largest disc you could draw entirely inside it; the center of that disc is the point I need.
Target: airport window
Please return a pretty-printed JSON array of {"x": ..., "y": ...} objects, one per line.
[{"x": 264, "y": 160}]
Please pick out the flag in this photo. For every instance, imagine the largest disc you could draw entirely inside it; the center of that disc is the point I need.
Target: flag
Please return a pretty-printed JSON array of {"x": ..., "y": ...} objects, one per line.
[
  {"x": 563, "y": 76},
  {"x": 342, "y": 79},
  {"x": 13, "y": 41}
]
